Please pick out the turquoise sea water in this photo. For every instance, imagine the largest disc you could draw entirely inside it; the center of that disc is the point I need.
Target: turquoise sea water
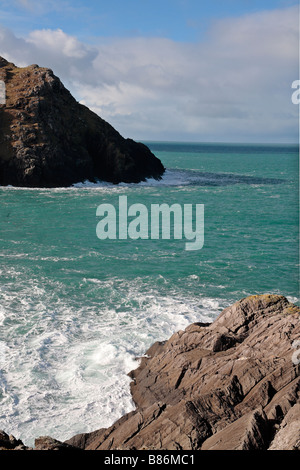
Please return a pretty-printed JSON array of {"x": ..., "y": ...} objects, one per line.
[{"x": 76, "y": 311}]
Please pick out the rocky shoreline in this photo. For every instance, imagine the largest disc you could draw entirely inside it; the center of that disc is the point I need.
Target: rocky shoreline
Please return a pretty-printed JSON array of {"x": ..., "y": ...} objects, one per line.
[{"x": 230, "y": 385}]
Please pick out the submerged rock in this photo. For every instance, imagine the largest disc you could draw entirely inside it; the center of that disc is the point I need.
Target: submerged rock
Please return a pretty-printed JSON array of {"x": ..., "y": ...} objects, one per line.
[{"x": 48, "y": 139}]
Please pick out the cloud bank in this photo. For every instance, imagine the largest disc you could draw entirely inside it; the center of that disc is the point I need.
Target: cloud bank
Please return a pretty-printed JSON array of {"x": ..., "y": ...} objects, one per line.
[{"x": 233, "y": 86}]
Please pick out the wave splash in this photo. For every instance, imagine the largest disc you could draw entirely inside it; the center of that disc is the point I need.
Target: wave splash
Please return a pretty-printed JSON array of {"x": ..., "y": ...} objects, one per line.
[
  {"x": 66, "y": 363},
  {"x": 180, "y": 177}
]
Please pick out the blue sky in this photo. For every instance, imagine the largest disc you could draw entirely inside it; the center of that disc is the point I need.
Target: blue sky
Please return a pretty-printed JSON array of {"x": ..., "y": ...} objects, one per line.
[
  {"x": 180, "y": 20},
  {"x": 168, "y": 69}
]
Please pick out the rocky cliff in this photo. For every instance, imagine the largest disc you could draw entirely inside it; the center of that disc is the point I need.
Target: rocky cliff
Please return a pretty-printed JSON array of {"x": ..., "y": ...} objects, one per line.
[
  {"x": 229, "y": 385},
  {"x": 48, "y": 139}
]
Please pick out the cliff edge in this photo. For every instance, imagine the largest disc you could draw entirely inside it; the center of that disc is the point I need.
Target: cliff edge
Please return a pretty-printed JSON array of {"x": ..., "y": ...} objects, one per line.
[{"x": 48, "y": 139}]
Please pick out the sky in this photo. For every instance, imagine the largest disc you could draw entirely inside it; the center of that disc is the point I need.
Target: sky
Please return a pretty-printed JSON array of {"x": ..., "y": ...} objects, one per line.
[{"x": 168, "y": 70}]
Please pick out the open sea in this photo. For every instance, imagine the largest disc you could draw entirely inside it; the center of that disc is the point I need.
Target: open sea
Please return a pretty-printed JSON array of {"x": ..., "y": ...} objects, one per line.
[{"x": 76, "y": 311}]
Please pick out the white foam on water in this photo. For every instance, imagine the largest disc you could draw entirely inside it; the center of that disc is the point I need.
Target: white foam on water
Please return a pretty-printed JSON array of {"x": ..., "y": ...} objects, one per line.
[
  {"x": 171, "y": 177},
  {"x": 293, "y": 300},
  {"x": 3, "y": 349},
  {"x": 2, "y": 314},
  {"x": 66, "y": 364}
]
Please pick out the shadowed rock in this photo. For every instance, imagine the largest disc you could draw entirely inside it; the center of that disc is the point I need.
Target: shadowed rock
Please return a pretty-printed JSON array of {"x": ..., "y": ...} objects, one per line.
[
  {"x": 48, "y": 139},
  {"x": 48, "y": 443},
  {"x": 10, "y": 442}
]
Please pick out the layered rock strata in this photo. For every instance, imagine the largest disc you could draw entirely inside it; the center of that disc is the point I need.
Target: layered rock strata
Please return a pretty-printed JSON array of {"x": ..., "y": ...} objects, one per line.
[{"x": 229, "y": 385}]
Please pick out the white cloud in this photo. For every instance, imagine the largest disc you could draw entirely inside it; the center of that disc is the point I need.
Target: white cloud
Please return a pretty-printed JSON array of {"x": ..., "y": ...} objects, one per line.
[
  {"x": 235, "y": 85},
  {"x": 47, "y": 40}
]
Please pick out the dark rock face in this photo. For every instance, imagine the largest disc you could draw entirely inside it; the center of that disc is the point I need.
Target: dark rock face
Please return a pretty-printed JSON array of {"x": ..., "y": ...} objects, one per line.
[
  {"x": 230, "y": 385},
  {"x": 42, "y": 443},
  {"x": 48, "y": 443},
  {"x": 48, "y": 139},
  {"x": 10, "y": 442}
]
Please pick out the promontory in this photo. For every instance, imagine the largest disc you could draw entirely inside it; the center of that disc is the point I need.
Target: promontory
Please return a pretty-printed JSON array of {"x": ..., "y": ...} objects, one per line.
[{"x": 48, "y": 139}]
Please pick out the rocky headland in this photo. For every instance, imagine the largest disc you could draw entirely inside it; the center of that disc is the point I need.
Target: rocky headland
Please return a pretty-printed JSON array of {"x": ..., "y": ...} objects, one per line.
[
  {"x": 229, "y": 385},
  {"x": 48, "y": 139}
]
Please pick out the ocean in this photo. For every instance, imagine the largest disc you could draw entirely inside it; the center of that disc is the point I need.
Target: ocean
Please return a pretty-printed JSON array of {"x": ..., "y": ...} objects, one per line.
[{"x": 77, "y": 311}]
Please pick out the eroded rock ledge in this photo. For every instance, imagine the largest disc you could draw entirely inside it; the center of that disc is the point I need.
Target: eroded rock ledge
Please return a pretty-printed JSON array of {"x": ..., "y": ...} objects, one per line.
[
  {"x": 229, "y": 385},
  {"x": 48, "y": 139}
]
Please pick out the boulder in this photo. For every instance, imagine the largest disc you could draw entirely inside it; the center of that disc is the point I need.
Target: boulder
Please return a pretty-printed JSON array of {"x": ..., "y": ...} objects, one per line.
[
  {"x": 48, "y": 443},
  {"x": 9, "y": 442}
]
